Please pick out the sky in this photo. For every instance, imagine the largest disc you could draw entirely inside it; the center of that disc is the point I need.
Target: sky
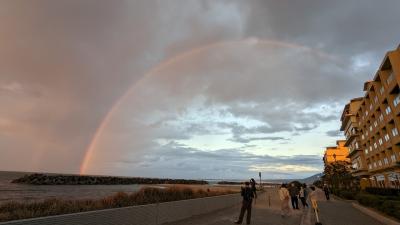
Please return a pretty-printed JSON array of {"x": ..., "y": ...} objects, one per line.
[{"x": 183, "y": 89}]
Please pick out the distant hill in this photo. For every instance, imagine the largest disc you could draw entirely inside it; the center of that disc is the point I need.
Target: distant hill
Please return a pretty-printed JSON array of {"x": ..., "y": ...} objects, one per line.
[{"x": 310, "y": 180}]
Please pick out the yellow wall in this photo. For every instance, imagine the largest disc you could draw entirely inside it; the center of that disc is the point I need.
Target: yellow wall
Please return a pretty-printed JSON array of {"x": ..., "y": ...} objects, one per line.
[{"x": 339, "y": 151}]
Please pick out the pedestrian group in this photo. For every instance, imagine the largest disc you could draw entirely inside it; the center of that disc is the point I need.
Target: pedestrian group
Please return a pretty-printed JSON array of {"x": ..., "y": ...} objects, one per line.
[{"x": 293, "y": 192}]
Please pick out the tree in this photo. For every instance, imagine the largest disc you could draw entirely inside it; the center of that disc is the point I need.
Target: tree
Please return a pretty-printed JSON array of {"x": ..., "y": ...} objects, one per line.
[{"x": 337, "y": 175}]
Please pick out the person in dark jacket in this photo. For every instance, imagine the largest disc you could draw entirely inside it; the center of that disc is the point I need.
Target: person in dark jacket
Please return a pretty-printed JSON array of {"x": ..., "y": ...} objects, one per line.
[
  {"x": 294, "y": 193},
  {"x": 248, "y": 196},
  {"x": 326, "y": 191},
  {"x": 253, "y": 188}
]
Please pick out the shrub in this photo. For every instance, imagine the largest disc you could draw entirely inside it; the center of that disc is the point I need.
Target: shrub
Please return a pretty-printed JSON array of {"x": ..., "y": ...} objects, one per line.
[
  {"x": 20, "y": 210},
  {"x": 392, "y": 208},
  {"x": 369, "y": 200},
  {"x": 350, "y": 195},
  {"x": 382, "y": 203},
  {"x": 383, "y": 191}
]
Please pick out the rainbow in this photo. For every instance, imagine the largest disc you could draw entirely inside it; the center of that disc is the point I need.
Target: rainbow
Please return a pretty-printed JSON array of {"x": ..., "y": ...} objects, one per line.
[{"x": 90, "y": 150}]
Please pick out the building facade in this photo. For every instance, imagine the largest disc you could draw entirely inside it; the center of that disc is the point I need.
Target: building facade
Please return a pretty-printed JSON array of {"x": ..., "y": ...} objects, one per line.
[
  {"x": 336, "y": 153},
  {"x": 372, "y": 124}
]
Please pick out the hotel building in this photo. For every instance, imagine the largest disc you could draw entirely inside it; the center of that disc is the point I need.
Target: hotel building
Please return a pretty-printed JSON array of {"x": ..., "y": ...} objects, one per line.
[
  {"x": 371, "y": 125},
  {"x": 337, "y": 153}
]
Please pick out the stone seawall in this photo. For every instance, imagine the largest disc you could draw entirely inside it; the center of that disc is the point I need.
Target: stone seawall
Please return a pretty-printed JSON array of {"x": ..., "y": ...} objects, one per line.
[{"x": 54, "y": 179}]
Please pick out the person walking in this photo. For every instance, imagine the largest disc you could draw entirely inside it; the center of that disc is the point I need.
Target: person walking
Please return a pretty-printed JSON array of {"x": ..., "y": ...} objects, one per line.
[
  {"x": 248, "y": 196},
  {"x": 294, "y": 193},
  {"x": 284, "y": 197},
  {"x": 253, "y": 188},
  {"x": 326, "y": 191},
  {"x": 303, "y": 196}
]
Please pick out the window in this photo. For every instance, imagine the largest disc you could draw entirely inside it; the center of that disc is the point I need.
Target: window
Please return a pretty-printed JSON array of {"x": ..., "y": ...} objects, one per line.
[
  {"x": 396, "y": 100},
  {"x": 369, "y": 166},
  {"x": 380, "y": 163},
  {"x": 356, "y": 145},
  {"x": 380, "y": 141},
  {"x": 393, "y": 158},
  {"x": 381, "y": 117},
  {"x": 387, "y": 138},
  {"x": 376, "y": 99},
  {"x": 395, "y": 132},
  {"x": 382, "y": 90},
  {"x": 355, "y": 165},
  {"x": 366, "y": 133},
  {"x": 386, "y": 161},
  {"x": 370, "y": 148},
  {"x": 388, "y": 110},
  {"x": 366, "y": 113},
  {"x": 370, "y": 128},
  {"x": 370, "y": 107},
  {"x": 374, "y": 164},
  {"x": 366, "y": 151},
  {"x": 375, "y": 123},
  {"x": 362, "y": 137},
  {"x": 375, "y": 145}
]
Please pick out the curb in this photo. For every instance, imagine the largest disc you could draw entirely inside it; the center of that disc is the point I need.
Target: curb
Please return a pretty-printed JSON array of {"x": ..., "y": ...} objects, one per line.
[{"x": 375, "y": 215}]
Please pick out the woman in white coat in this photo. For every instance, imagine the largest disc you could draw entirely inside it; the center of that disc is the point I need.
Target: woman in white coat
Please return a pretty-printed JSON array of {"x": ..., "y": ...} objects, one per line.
[{"x": 284, "y": 196}]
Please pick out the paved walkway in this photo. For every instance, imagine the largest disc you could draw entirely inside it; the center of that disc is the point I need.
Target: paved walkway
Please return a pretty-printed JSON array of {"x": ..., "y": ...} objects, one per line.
[
  {"x": 333, "y": 212},
  {"x": 338, "y": 212},
  {"x": 263, "y": 213}
]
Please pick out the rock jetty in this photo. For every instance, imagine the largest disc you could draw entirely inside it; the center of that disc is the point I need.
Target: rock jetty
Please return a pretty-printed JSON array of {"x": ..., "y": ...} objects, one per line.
[{"x": 52, "y": 179}]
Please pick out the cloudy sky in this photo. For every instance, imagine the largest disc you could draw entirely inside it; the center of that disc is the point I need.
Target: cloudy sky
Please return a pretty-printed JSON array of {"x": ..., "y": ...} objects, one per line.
[{"x": 188, "y": 89}]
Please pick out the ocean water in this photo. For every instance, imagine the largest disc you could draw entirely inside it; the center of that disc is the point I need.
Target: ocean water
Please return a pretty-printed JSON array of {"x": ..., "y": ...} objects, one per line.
[{"x": 24, "y": 193}]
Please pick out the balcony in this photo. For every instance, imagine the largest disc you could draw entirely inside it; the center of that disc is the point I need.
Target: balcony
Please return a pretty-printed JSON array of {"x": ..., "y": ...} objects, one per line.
[
  {"x": 359, "y": 172},
  {"x": 354, "y": 152},
  {"x": 396, "y": 104},
  {"x": 350, "y": 138},
  {"x": 388, "y": 115},
  {"x": 395, "y": 137},
  {"x": 391, "y": 82}
]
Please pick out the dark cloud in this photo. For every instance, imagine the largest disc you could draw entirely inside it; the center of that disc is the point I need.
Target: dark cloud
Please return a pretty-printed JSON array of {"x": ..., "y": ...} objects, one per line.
[
  {"x": 247, "y": 140},
  {"x": 175, "y": 158},
  {"x": 334, "y": 133}
]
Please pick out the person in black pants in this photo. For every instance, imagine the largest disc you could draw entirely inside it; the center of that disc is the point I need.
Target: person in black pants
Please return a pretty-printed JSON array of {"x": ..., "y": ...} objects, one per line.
[
  {"x": 294, "y": 193},
  {"x": 253, "y": 188},
  {"x": 248, "y": 196},
  {"x": 326, "y": 191}
]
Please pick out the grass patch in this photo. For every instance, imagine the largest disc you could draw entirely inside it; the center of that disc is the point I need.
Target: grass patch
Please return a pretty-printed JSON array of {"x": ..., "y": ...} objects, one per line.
[{"x": 19, "y": 210}]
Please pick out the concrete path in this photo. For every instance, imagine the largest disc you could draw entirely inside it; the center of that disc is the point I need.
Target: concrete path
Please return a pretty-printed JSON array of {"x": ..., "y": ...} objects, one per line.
[
  {"x": 263, "y": 213},
  {"x": 338, "y": 212}
]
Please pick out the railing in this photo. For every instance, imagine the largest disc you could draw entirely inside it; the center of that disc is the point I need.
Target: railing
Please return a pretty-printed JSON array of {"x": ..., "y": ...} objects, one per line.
[{"x": 152, "y": 214}]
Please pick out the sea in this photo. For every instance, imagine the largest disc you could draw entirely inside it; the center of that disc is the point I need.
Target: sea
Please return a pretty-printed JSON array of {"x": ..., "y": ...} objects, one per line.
[{"x": 28, "y": 193}]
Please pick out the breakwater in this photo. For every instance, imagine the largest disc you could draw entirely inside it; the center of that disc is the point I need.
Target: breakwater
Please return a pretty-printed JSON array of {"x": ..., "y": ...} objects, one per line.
[{"x": 54, "y": 179}]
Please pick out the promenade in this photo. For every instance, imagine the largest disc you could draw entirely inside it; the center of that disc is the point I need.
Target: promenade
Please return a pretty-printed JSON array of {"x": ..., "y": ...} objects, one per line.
[
  {"x": 262, "y": 213},
  {"x": 333, "y": 212},
  {"x": 339, "y": 212}
]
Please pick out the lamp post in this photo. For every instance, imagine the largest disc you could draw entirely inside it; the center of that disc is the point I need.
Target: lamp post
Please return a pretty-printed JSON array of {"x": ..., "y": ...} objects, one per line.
[{"x": 334, "y": 171}]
